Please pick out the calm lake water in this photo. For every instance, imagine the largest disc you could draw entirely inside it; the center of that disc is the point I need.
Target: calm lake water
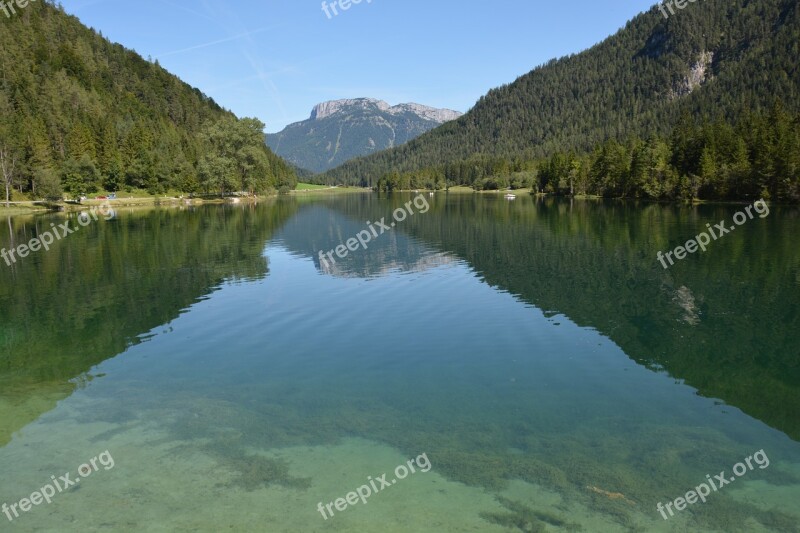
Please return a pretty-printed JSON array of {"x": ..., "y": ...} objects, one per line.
[{"x": 555, "y": 376}]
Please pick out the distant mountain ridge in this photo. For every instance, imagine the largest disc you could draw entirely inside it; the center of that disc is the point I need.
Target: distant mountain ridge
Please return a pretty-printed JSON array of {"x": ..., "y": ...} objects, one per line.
[
  {"x": 332, "y": 107},
  {"x": 340, "y": 130}
]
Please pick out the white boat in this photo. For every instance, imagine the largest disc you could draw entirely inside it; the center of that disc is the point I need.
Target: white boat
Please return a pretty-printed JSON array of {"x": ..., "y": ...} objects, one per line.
[{"x": 511, "y": 196}]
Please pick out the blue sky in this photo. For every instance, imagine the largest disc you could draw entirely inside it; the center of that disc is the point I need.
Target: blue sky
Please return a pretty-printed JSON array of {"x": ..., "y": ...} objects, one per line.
[{"x": 276, "y": 59}]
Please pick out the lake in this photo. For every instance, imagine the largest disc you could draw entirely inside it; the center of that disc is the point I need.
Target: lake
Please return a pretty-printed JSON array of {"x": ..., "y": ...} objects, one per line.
[{"x": 522, "y": 365}]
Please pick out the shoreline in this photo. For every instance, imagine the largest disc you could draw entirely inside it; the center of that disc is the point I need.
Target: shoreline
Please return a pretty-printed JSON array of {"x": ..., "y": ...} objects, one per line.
[
  {"x": 40, "y": 207},
  {"x": 23, "y": 208}
]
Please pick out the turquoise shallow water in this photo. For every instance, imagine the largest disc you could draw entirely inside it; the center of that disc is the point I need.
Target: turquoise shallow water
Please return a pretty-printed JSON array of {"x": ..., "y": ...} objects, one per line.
[{"x": 555, "y": 376}]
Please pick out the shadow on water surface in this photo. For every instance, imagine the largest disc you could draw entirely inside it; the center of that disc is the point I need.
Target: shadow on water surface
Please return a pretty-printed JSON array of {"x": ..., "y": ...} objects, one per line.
[
  {"x": 106, "y": 286},
  {"x": 726, "y": 322}
]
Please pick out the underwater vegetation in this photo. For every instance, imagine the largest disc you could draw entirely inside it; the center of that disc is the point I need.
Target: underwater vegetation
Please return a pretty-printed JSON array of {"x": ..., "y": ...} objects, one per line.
[
  {"x": 648, "y": 465},
  {"x": 525, "y": 519}
]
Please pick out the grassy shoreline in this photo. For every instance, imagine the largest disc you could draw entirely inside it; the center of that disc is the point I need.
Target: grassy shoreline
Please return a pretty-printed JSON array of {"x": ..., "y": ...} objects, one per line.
[
  {"x": 39, "y": 207},
  {"x": 308, "y": 188},
  {"x": 140, "y": 199}
]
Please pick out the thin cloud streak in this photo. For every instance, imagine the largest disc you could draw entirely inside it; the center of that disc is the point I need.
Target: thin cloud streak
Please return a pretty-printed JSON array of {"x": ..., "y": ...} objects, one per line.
[
  {"x": 219, "y": 41},
  {"x": 193, "y": 12}
]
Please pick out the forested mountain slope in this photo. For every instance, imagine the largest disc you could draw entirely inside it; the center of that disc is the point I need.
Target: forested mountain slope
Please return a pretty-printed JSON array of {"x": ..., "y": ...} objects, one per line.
[
  {"x": 81, "y": 112},
  {"x": 717, "y": 62}
]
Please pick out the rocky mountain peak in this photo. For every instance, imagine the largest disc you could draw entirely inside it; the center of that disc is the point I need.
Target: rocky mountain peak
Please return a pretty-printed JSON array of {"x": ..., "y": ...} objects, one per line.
[
  {"x": 327, "y": 109},
  {"x": 340, "y": 130}
]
